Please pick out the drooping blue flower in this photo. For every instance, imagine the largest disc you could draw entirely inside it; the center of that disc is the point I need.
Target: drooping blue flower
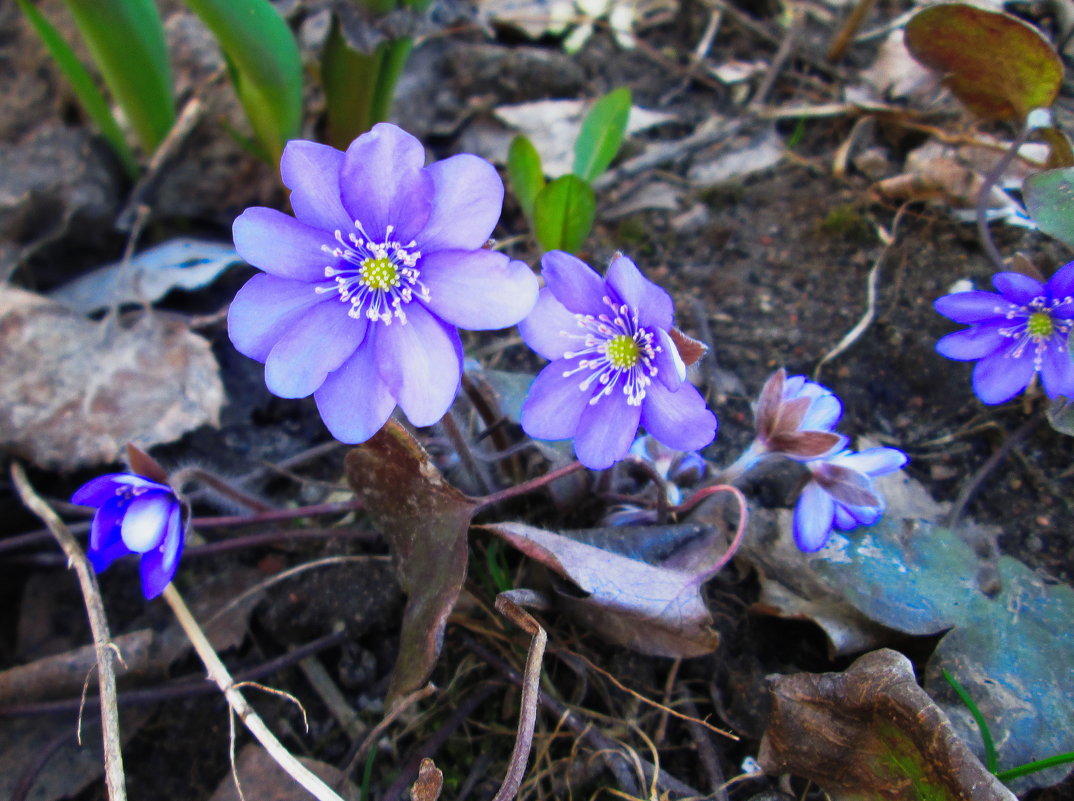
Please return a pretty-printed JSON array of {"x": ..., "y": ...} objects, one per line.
[
  {"x": 364, "y": 289},
  {"x": 134, "y": 515},
  {"x": 841, "y": 493},
  {"x": 614, "y": 365},
  {"x": 1018, "y": 331}
]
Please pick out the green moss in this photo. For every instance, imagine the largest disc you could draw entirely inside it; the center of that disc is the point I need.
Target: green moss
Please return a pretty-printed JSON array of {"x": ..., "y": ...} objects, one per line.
[{"x": 847, "y": 223}]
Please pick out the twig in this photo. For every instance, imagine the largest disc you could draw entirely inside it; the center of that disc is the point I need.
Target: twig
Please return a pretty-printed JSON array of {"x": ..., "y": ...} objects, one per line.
[
  {"x": 706, "y": 751},
  {"x": 374, "y": 734},
  {"x": 219, "y": 674},
  {"x": 465, "y": 452},
  {"x": 779, "y": 61},
  {"x": 526, "y": 486},
  {"x": 102, "y": 638},
  {"x": 985, "y": 195},
  {"x": 853, "y": 24},
  {"x": 332, "y": 697}
]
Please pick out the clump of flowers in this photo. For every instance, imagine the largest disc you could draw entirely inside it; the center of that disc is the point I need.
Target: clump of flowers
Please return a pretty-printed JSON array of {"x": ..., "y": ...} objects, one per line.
[
  {"x": 614, "y": 366},
  {"x": 135, "y": 515},
  {"x": 1015, "y": 333},
  {"x": 364, "y": 289}
]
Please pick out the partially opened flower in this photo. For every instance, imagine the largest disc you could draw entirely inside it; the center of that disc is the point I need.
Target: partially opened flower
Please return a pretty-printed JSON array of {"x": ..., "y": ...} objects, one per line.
[
  {"x": 1018, "y": 331},
  {"x": 797, "y": 417},
  {"x": 841, "y": 493},
  {"x": 614, "y": 364},
  {"x": 134, "y": 515},
  {"x": 363, "y": 290}
]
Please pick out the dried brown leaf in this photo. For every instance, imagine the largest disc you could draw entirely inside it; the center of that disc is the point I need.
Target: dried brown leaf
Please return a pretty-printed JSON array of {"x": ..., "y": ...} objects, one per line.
[
  {"x": 75, "y": 392},
  {"x": 262, "y": 779},
  {"x": 425, "y": 521},
  {"x": 871, "y": 733}
]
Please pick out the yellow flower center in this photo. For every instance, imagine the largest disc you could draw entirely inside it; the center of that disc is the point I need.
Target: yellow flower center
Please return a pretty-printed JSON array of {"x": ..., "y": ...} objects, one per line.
[
  {"x": 1040, "y": 325},
  {"x": 622, "y": 351},
  {"x": 378, "y": 273}
]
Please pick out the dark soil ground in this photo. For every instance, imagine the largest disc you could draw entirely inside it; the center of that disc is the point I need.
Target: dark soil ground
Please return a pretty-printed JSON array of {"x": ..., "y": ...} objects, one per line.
[{"x": 772, "y": 271}]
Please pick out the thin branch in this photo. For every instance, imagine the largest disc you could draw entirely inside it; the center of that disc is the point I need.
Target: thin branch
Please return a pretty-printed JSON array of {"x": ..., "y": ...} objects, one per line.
[{"x": 102, "y": 638}]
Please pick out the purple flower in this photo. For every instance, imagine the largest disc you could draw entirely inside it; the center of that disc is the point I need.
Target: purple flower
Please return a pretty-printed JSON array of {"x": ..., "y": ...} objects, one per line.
[
  {"x": 841, "y": 493},
  {"x": 363, "y": 289},
  {"x": 134, "y": 515},
  {"x": 797, "y": 417},
  {"x": 614, "y": 365},
  {"x": 1019, "y": 332}
]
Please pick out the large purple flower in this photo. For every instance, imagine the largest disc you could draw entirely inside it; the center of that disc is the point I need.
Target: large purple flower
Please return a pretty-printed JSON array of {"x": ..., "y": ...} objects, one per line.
[
  {"x": 614, "y": 366},
  {"x": 1019, "y": 332},
  {"x": 841, "y": 493},
  {"x": 134, "y": 515},
  {"x": 363, "y": 289}
]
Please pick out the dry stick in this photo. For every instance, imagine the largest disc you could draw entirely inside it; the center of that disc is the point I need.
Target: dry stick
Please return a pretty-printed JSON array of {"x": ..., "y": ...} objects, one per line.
[
  {"x": 783, "y": 53},
  {"x": 219, "y": 674},
  {"x": 374, "y": 734},
  {"x": 466, "y": 454},
  {"x": 102, "y": 638},
  {"x": 706, "y": 751},
  {"x": 853, "y": 24}
]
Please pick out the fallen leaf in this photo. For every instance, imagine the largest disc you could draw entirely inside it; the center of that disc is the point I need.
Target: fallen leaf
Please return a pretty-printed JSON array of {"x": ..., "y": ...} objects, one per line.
[
  {"x": 75, "y": 392},
  {"x": 649, "y": 601},
  {"x": 263, "y": 779},
  {"x": 725, "y": 163},
  {"x": 178, "y": 264},
  {"x": 871, "y": 733},
  {"x": 425, "y": 521}
]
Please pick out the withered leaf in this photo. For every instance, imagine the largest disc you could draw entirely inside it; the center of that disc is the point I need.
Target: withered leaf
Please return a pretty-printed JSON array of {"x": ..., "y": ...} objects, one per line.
[
  {"x": 262, "y": 778},
  {"x": 871, "y": 733},
  {"x": 75, "y": 392},
  {"x": 425, "y": 521},
  {"x": 654, "y": 606}
]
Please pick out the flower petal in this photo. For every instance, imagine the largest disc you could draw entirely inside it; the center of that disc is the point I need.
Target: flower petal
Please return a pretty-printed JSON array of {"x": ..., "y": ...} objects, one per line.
[
  {"x": 548, "y": 328},
  {"x": 103, "y": 558},
  {"x": 1061, "y": 285},
  {"x": 813, "y": 517},
  {"x": 315, "y": 344},
  {"x": 478, "y": 290},
  {"x": 466, "y": 204},
  {"x": 421, "y": 362},
  {"x": 1017, "y": 288},
  {"x": 146, "y": 520},
  {"x": 354, "y": 401},
  {"x": 311, "y": 171},
  {"x": 383, "y": 183},
  {"x": 973, "y": 343},
  {"x": 1001, "y": 376},
  {"x": 281, "y": 245},
  {"x": 671, "y": 371},
  {"x": 264, "y": 309},
  {"x": 104, "y": 530},
  {"x": 97, "y": 491},
  {"x": 1057, "y": 369},
  {"x": 653, "y": 304},
  {"x": 159, "y": 565},
  {"x": 972, "y": 307},
  {"x": 605, "y": 431},
  {"x": 680, "y": 420},
  {"x": 555, "y": 403},
  {"x": 574, "y": 283},
  {"x": 873, "y": 461},
  {"x": 823, "y": 413}
]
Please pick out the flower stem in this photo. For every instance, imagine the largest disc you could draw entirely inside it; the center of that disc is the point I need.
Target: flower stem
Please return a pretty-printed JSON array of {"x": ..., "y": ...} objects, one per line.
[
  {"x": 219, "y": 674},
  {"x": 743, "y": 517},
  {"x": 985, "y": 195},
  {"x": 527, "y": 486},
  {"x": 217, "y": 484}
]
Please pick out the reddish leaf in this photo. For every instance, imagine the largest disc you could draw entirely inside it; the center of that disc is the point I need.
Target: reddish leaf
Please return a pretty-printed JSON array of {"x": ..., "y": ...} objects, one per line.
[
  {"x": 690, "y": 350},
  {"x": 871, "y": 733},
  {"x": 425, "y": 521},
  {"x": 998, "y": 66}
]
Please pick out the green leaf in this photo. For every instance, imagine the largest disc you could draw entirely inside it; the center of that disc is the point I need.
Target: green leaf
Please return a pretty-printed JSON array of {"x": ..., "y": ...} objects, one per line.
[
  {"x": 91, "y": 98},
  {"x": 1049, "y": 197},
  {"x": 1061, "y": 415},
  {"x": 563, "y": 214},
  {"x": 525, "y": 173},
  {"x": 602, "y": 133},
  {"x": 265, "y": 65},
  {"x": 126, "y": 40},
  {"x": 998, "y": 66}
]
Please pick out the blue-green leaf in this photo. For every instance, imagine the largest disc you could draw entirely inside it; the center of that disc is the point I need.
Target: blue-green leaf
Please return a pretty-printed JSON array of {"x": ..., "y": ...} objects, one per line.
[
  {"x": 563, "y": 214},
  {"x": 602, "y": 133},
  {"x": 266, "y": 66},
  {"x": 525, "y": 173},
  {"x": 91, "y": 98},
  {"x": 1049, "y": 197},
  {"x": 126, "y": 40}
]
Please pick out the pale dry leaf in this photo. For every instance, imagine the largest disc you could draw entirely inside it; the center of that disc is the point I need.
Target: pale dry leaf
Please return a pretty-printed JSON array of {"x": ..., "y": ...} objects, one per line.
[{"x": 75, "y": 392}]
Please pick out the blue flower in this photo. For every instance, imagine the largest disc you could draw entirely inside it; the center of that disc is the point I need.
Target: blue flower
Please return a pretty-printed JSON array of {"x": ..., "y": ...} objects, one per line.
[
  {"x": 1015, "y": 334},
  {"x": 614, "y": 365},
  {"x": 134, "y": 515},
  {"x": 841, "y": 493},
  {"x": 364, "y": 288},
  {"x": 797, "y": 418}
]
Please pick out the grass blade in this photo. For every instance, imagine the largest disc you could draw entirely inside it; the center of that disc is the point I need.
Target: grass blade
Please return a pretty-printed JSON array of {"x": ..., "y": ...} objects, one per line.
[
  {"x": 563, "y": 214},
  {"x": 91, "y": 98},
  {"x": 265, "y": 66},
  {"x": 982, "y": 725},
  {"x": 602, "y": 134},
  {"x": 126, "y": 40}
]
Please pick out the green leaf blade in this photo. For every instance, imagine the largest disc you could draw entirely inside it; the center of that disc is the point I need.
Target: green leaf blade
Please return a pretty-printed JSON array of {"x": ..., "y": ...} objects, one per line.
[
  {"x": 602, "y": 133},
  {"x": 126, "y": 40},
  {"x": 563, "y": 214},
  {"x": 266, "y": 66},
  {"x": 1049, "y": 197},
  {"x": 525, "y": 173}
]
